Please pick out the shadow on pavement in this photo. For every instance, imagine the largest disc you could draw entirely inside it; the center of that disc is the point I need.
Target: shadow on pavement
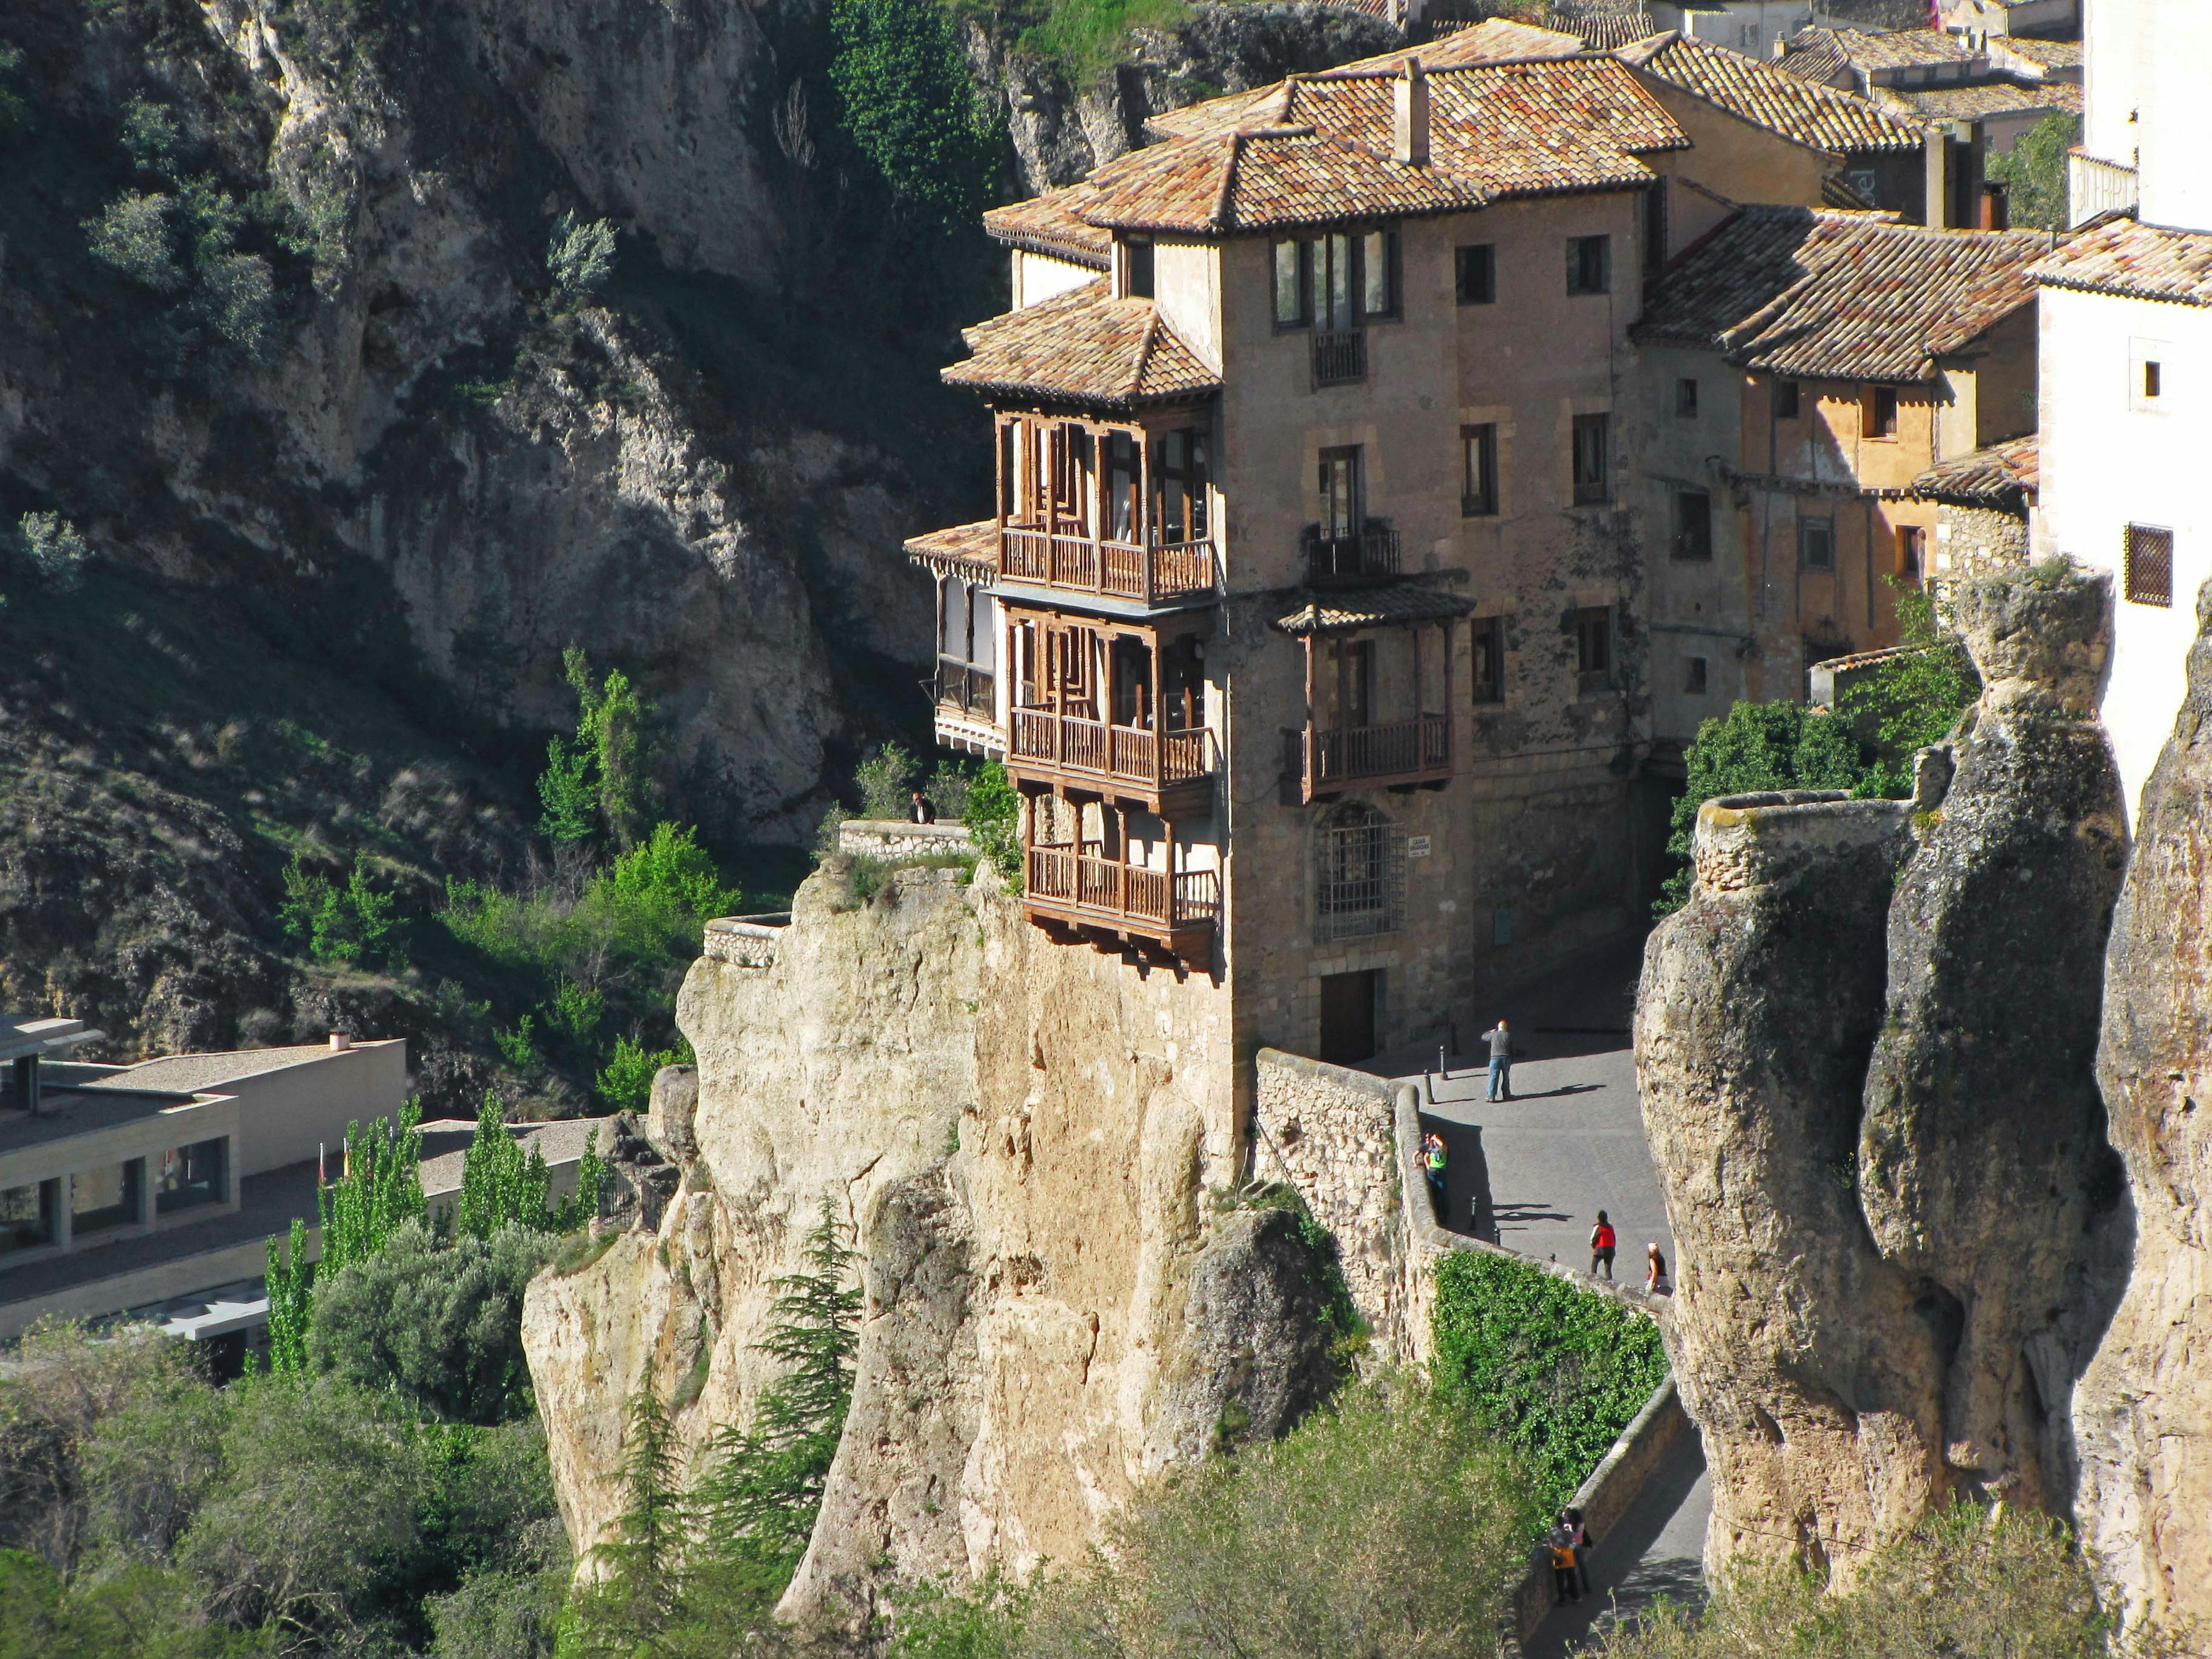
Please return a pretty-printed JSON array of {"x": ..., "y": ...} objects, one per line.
[{"x": 1630, "y": 1570}]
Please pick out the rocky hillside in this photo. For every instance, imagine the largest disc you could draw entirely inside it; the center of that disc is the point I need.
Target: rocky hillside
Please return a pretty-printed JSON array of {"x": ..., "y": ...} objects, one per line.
[
  {"x": 1866, "y": 1047},
  {"x": 1058, "y": 1305},
  {"x": 316, "y": 353}
]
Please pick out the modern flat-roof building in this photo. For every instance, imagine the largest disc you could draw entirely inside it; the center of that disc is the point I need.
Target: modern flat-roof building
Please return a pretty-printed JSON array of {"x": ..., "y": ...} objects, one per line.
[{"x": 1311, "y": 615}]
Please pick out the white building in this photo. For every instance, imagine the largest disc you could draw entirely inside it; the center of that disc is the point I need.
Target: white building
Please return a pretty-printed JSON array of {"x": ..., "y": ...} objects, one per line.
[{"x": 2126, "y": 350}]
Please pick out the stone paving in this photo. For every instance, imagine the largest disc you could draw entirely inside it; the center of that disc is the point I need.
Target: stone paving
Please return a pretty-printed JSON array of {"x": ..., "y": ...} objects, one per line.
[{"x": 1570, "y": 1144}]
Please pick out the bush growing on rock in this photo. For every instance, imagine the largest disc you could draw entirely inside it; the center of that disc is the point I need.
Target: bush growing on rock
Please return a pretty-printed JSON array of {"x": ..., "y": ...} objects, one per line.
[
  {"x": 1968, "y": 1582},
  {"x": 1553, "y": 1372},
  {"x": 1389, "y": 1523}
]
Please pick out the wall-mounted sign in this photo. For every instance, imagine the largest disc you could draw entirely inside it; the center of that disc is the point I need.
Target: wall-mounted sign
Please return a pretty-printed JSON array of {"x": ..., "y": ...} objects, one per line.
[{"x": 1417, "y": 847}]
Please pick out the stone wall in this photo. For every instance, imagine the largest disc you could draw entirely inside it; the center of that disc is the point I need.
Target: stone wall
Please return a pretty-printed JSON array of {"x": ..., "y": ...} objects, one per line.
[
  {"x": 1973, "y": 542},
  {"x": 895, "y": 838}
]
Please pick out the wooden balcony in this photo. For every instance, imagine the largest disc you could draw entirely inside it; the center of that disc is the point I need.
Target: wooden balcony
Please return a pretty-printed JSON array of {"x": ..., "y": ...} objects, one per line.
[
  {"x": 1171, "y": 775},
  {"x": 966, "y": 712},
  {"x": 1072, "y": 887},
  {"x": 1340, "y": 355},
  {"x": 1319, "y": 761},
  {"x": 1070, "y": 561}
]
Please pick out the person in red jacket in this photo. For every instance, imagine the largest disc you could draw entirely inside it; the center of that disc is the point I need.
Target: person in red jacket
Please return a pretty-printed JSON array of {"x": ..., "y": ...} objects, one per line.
[{"x": 1602, "y": 1245}]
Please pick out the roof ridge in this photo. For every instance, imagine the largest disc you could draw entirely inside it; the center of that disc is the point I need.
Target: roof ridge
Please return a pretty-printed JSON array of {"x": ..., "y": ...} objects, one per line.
[
  {"x": 1153, "y": 325},
  {"x": 1218, "y": 216}
]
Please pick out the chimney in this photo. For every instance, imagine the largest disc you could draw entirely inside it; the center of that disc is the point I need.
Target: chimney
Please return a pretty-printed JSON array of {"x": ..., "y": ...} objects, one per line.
[
  {"x": 1409, "y": 122},
  {"x": 1781, "y": 47},
  {"x": 1996, "y": 206},
  {"x": 340, "y": 1043}
]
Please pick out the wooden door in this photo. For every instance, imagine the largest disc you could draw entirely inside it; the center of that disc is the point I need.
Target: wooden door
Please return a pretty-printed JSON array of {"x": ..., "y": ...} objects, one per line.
[{"x": 1347, "y": 1017}]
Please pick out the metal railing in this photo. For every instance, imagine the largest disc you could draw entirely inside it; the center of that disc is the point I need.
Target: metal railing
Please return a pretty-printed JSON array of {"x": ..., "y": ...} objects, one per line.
[
  {"x": 1320, "y": 759},
  {"x": 963, "y": 686},
  {"x": 1064, "y": 878},
  {"x": 1118, "y": 754},
  {"x": 1151, "y": 572},
  {"x": 1370, "y": 554},
  {"x": 1340, "y": 355}
]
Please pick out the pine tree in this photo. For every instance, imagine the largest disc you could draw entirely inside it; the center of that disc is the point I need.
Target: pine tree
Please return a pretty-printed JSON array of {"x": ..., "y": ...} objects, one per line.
[
  {"x": 646, "y": 1557},
  {"x": 759, "y": 1501},
  {"x": 291, "y": 1277},
  {"x": 380, "y": 1188},
  {"x": 499, "y": 1183}
]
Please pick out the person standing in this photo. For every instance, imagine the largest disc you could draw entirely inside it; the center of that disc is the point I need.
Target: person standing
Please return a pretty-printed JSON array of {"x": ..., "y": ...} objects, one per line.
[
  {"x": 1578, "y": 1536},
  {"x": 1602, "y": 1245},
  {"x": 1433, "y": 1162},
  {"x": 1561, "y": 1541},
  {"x": 1501, "y": 1062},
  {"x": 1655, "y": 1278},
  {"x": 923, "y": 809}
]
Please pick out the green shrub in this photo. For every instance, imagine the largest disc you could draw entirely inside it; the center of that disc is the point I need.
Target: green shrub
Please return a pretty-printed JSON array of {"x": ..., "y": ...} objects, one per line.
[
  {"x": 441, "y": 1327},
  {"x": 1967, "y": 1582},
  {"x": 580, "y": 256},
  {"x": 379, "y": 1191},
  {"x": 354, "y": 923},
  {"x": 1387, "y": 1523},
  {"x": 626, "y": 1084},
  {"x": 595, "y": 783},
  {"x": 1912, "y": 699},
  {"x": 911, "y": 106},
  {"x": 57, "y": 552},
  {"x": 2035, "y": 170},
  {"x": 1555, "y": 1372},
  {"x": 993, "y": 816},
  {"x": 886, "y": 779}
]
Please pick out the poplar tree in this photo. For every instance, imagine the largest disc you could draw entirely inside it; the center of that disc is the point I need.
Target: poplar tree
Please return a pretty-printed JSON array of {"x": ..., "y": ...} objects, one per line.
[
  {"x": 380, "y": 1187},
  {"x": 499, "y": 1183},
  {"x": 291, "y": 1277}
]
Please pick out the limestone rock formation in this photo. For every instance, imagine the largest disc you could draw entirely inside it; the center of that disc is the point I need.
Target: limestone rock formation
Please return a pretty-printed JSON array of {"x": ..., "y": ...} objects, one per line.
[
  {"x": 2142, "y": 1412},
  {"x": 1885, "y": 1161},
  {"x": 1010, "y": 1129}
]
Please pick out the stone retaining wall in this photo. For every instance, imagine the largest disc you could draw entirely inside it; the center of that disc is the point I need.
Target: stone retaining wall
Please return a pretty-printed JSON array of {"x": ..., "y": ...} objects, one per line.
[
  {"x": 895, "y": 838},
  {"x": 745, "y": 941}
]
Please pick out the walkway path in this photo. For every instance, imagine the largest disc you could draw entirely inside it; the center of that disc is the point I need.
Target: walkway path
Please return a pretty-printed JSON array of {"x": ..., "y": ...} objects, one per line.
[
  {"x": 1655, "y": 1551},
  {"x": 1570, "y": 1144}
]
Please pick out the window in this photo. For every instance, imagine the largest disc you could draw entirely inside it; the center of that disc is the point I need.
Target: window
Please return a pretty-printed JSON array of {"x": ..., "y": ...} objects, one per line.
[
  {"x": 1292, "y": 309},
  {"x": 1911, "y": 539},
  {"x": 2151, "y": 377},
  {"x": 26, "y": 1216},
  {"x": 1593, "y": 647},
  {"x": 1478, "y": 480},
  {"x": 1882, "y": 411},
  {"x": 1685, "y": 399},
  {"x": 2149, "y": 574},
  {"x": 1693, "y": 524},
  {"x": 1489, "y": 652},
  {"x": 1179, "y": 486},
  {"x": 1816, "y": 544},
  {"x": 1361, "y": 879},
  {"x": 106, "y": 1197},
  {"x": 1355, "y": 683},
  {"x": 1378, "y": 275},
  {"x": 1122, "y": 486},
  {"x": 192, "y": 1176},
  {"x": 1593, "y": 464},
  {"x": 1589, "y": 265},
  {"x": 1865, "y": 184},
  {"x": 1340, "y": 506},
  {"x": 1138, "y": 255},
  {"x": 1785, "y": 400},
  {"x": 1477, "y": 275},
  {"x": 1693, "y": 678}
]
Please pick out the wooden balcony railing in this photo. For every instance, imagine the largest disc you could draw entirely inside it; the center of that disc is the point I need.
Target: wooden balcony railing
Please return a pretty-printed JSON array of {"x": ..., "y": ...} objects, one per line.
[
  {"x": 1371, "y": 553},
  {"x": 965, "y": 687},
  {"x": 1340, "y": 355},
  {"x": 1072, "y": 885},
  {"x": 1152, "y": 573},
  {"x": 1098, "y": 750},
  {"x": 1319, "y": 761}
]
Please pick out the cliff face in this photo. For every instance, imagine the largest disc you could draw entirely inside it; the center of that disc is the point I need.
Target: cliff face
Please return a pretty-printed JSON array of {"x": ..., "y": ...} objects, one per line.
[
  {"x": 1011, "y": 1129},
  {"x": 2143, "y": 1413},
  {"x": 1884, "y": 1157}
]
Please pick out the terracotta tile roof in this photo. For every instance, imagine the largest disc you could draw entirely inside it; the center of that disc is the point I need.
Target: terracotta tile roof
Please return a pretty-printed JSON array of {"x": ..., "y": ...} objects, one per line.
[
  {"x": 1374, "y": 607},
  {"x": 1793, "y": 292},
  {"x": 1975, "y": 103},
  {"x": 965, "y": 550},
  {"x": 1602, "y": 26},
  {"x": 2003, "y": 477},
  {"x": 1084, "y": 345},
  {"x": 1818, "y": 117},
  {"x": 1822, "y": 62},
  {"x": 1318, "y": 148},
  {"x": 2142, "y": 262},
  {"x": 1048, "y": 224},
  {"x": 1893, "y": 49},
  {"x": 2048, "y": 55}
]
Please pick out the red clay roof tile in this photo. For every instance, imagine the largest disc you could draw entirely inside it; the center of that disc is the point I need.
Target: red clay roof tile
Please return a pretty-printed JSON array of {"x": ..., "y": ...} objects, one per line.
[{"x": 1085, "y": 346}]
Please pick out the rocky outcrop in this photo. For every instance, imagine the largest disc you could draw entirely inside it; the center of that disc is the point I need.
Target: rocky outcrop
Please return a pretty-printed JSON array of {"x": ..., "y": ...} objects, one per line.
[
  {"x": 1883, "y": 1155},
  {"x": 1010, "y": 1129},
  {"x": 2142, "y": 1411}
]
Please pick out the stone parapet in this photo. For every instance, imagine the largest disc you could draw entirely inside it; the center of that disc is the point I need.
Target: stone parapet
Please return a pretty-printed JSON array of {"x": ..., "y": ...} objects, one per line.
[
  {"x": 895, "y": 838},
  {"x": 745, "y": 941}
]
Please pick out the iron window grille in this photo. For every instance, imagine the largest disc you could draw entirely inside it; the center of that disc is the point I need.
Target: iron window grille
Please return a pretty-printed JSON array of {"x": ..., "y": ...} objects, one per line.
[
  {"x": 2149, "y": 566},
  {"x": 1362, "y": 875}
]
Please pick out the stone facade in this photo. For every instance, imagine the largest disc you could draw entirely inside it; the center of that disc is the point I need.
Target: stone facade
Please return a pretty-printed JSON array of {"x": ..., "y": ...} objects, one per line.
[{"x": 1973, "y": 542}]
